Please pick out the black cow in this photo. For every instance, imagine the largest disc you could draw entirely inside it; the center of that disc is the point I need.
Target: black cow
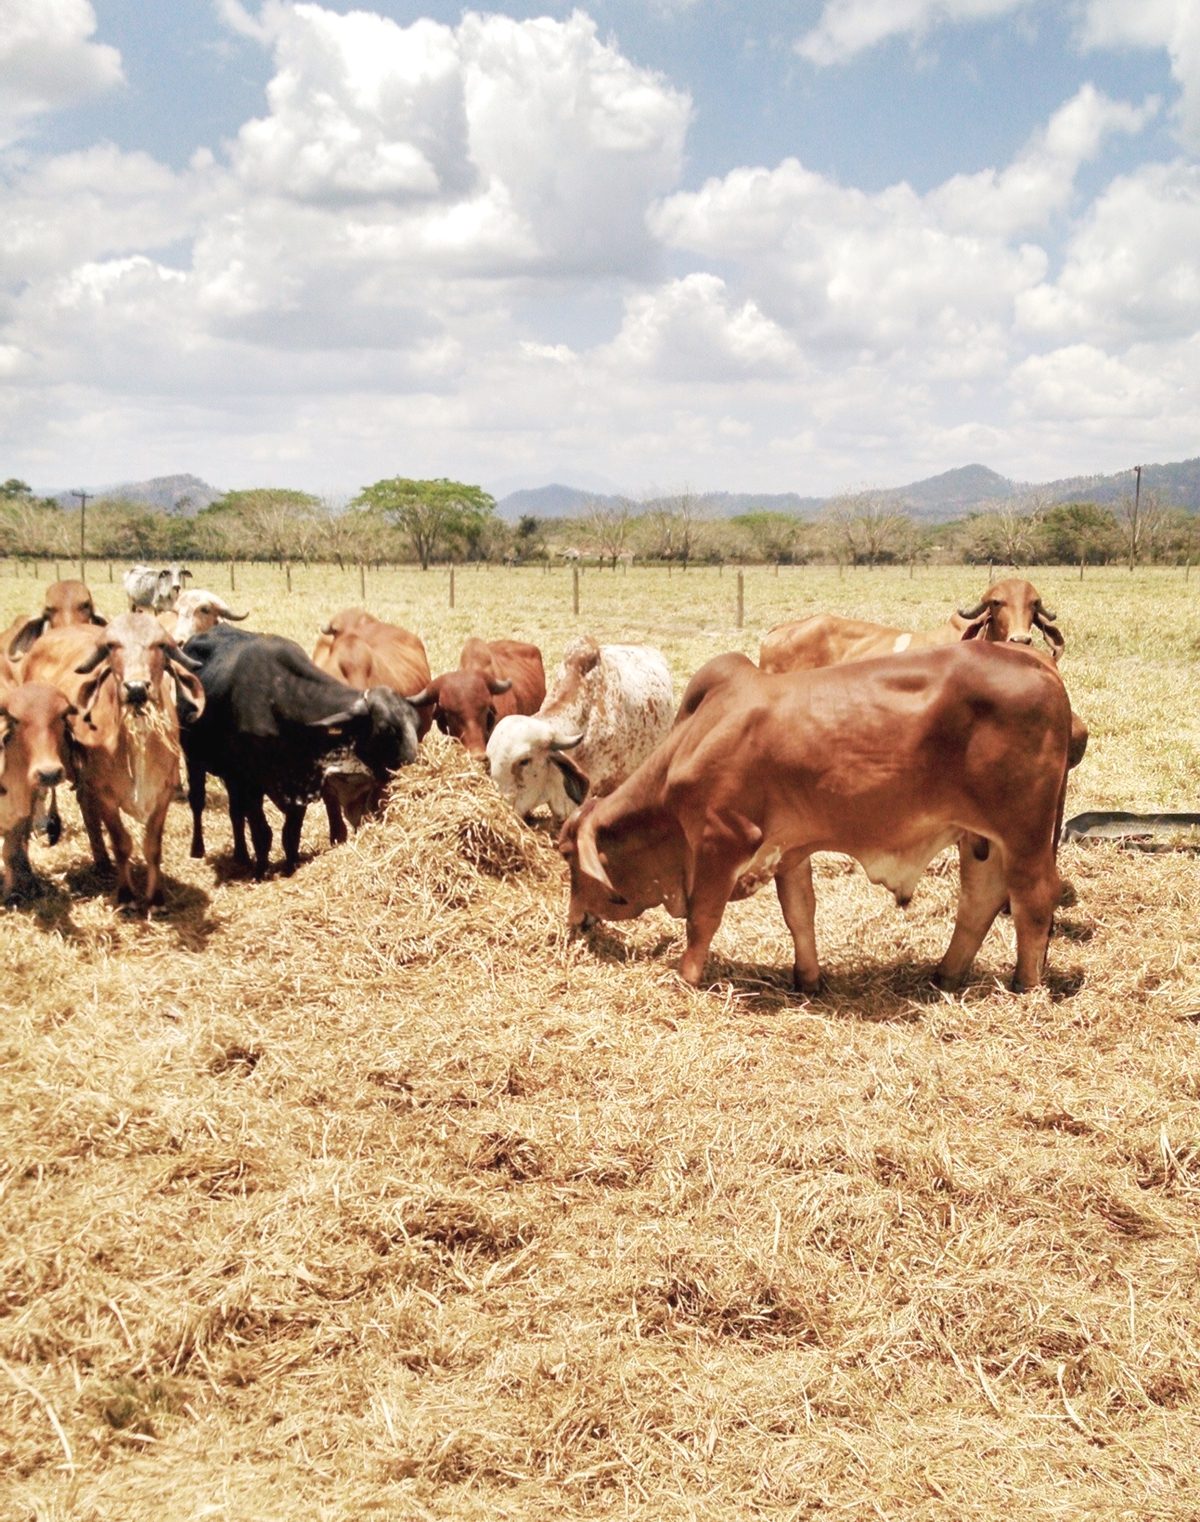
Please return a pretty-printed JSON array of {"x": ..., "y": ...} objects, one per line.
[{"x": 273, "y": 725}]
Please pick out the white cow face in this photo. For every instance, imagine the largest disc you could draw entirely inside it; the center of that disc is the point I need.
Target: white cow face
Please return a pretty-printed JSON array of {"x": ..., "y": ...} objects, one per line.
[{"x": 526, "y": 761}]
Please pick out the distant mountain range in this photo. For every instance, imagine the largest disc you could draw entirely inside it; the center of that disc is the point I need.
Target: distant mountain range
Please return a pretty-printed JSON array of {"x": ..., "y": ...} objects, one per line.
[
  {"x": 182, "y": 495},
  {"x": 953, "y": 494}
]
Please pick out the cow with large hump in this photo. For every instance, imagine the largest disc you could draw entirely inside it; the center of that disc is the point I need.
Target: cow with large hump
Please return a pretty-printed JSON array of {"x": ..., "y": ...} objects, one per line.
[
  {"x": 608, "y": 708},
  {"x": 363, "y": 651},
  {"x": 129, "y": 683},
  {"x": 887, "y": 761},
  {"x": 1009, "y": 612},
  {"x": 66, "y": 604},
  {"x": 274, "y": 726},
  {"x": 495, "y": 679},
  {"x": 34, "y": 759}
]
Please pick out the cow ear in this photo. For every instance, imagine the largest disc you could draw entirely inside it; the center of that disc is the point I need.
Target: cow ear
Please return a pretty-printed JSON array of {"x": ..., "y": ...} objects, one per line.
[
  {"x": 99, "y": 618},
  {"x": 497, "y": 687},
  {"x": 189, "y": 694},
  {"x": 26, "y": 634},
  {"x": 575, "y": 779},
  {"x": 357, "y": 710},
  {"x": 86, "y": 697},
  {"x": 1053, "y": 637},
  {"x": 976, "y": 627}
]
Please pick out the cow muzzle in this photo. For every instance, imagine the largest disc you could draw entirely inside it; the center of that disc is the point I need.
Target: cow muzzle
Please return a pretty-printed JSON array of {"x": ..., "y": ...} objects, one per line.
[
  {"x": 136, "y": 694},
  {"x": 48, "y": 776},
  {"x": 1020, "y": 639}
]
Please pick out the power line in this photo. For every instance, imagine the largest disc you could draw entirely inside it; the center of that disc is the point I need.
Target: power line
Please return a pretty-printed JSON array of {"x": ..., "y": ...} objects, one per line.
[{"x": 83, "y": 502}]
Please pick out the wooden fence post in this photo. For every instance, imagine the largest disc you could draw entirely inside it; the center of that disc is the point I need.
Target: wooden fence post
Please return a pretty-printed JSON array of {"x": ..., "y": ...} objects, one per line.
[
  {"x": 362, "y": 580},
  {"x": 575, "y": 588},
  {"x": 741, "y": 606},
  {"x": 287, "y": 571},
  {"x": 451, "y": 586}
]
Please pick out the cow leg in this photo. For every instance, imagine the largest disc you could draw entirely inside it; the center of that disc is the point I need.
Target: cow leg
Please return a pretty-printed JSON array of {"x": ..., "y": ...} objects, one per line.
[
  {"x": 981, "y": 891},
  {"x": 260, "y": 833},
  {"x": 799, "y": 904},
  {"x": 92, "y": 813},
  {"x": 197, "y": 787},
  {"x": 18, "y": 876},
  {"x": 293, "y": 824},
  {"x": 122, "y": 844},
  {"x": 333, "y": 810},
  {"x": 152, "y": 850},
  {"x": 712, "y": 884},
  {"x": 237, "y": 824},
  {"x": 1033, "y": 894}
]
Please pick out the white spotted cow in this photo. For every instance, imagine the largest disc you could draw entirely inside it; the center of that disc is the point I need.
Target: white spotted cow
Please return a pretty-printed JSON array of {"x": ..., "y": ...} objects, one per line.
[{"x": 609, "y": 706}]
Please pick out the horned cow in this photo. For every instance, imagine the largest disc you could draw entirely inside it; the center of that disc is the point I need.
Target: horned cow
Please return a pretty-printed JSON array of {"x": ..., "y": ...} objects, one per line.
[
  {"x": 128, "y": 684},
  {"x": 34, "y": 759},
  {"x": 888, "y": 761},
  {"x": 609, "y": 706}
]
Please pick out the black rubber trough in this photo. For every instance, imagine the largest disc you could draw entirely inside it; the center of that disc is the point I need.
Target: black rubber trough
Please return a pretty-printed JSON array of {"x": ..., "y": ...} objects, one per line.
[{"x": 1144, "y": 832}]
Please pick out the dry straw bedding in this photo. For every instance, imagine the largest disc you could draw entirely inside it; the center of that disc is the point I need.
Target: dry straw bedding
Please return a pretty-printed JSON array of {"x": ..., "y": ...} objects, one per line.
[{"x": 373, "y": 1193}]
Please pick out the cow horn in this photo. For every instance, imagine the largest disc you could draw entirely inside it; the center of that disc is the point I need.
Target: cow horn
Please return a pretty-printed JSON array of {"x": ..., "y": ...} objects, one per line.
[
  {"x": 189, "y": 663},
  {"x": 426, "y": 695},
  {"x": 974, "y": 612},
  {"x": 93, "y": 660},
  {"x": 1046, "y": 614},
  {"x": 568, "y": 744},
  {"x": 497, "y": 687},
  {"x": 589, "y": 856},
  {"x": 328, "y": 629}
]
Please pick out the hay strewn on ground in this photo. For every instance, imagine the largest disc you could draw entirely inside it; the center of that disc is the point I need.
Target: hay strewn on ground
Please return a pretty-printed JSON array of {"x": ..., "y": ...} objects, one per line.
[{"x": 372, "y": 1193}]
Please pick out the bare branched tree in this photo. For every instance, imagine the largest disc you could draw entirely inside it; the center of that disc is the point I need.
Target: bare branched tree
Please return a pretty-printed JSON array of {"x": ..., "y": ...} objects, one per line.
[
  {"x": 609, "y": 527},
  {"x": 868, "y": 529}
]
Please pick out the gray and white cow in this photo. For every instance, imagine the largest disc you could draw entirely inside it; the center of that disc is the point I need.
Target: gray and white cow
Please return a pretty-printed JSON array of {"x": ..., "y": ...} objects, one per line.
[
  {"x": 153, "y": 591},
  {"x": 609, "y": 706}
]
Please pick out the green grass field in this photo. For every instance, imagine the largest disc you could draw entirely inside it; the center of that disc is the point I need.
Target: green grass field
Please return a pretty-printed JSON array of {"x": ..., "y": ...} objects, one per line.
[{"x": 372, "y": 1193}]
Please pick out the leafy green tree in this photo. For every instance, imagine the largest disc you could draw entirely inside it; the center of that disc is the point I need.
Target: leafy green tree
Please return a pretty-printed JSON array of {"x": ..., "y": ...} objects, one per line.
[
  {"x": 777, "y": 538},
  {"x": 1074, "y": 533},
  {"x": 437, "y": 516}
]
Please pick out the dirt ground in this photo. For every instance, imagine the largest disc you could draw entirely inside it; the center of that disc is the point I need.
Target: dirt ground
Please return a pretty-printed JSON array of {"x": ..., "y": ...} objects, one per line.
[{"x": 372, "y": 1193}]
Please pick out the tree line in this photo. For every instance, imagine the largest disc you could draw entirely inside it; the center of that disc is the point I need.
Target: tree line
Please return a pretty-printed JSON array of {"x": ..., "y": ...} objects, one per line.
[{"x": 403, "y": 521}]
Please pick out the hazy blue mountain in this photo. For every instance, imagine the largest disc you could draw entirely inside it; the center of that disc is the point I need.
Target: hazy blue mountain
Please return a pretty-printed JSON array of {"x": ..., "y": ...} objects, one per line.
[{"x": 952, "y": 494}]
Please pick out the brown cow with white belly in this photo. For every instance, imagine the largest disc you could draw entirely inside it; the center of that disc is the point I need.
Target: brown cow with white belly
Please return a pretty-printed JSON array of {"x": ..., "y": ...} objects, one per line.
[
  {"x": 128, "y": 684},
  {"x": 888, "y": 761},
  {"x": 34, "y": 759},
  {"x": 363, "y": 651},
  {"x": 495, "y": 678}
]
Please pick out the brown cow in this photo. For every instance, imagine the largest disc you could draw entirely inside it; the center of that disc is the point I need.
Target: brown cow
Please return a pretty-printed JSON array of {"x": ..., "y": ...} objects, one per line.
[
  {"x": 495, "y": 678},
  {"x": 128, "y": 685},
  {"x": 1008, "y": 612},
  {"x": 888, "y": 761},
  {"x": 196, "y": 613},
  {"x": 363, "y": 651},
  {"x": 67, "y": 603},
  {"x": 34, "y": 759}
]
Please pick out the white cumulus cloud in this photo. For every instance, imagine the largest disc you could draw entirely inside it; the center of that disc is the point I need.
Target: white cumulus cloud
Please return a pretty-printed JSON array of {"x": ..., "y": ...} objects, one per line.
[
  {"x": 1170, "y": 24},
  {"x": 47, "y": 59},
  {"x": 847, "y": 27}
]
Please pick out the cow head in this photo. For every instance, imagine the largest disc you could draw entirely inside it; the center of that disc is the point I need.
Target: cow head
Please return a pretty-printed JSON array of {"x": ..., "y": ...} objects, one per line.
[
  {"x": 144, "y": 666},
  {"x": 1008, "y": 613},
  {"x": 528, "y": 763},
  {"x": 464, "y": 706},
  {"x": 381, "y": 728},
  {"x": 34, "y": 747},
  {"x": 622, "y": 863},
  {"x": 198, "y": 612},
  {"x": 67, "y": 603}
]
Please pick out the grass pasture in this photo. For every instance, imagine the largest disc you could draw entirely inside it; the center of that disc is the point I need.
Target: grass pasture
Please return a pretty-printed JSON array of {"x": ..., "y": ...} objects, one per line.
[{"x": 369, "y": 1193}]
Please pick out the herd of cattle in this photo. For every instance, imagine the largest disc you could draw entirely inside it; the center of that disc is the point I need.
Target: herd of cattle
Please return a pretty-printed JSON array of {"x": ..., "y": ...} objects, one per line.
[{"x": 882, "y": 744}]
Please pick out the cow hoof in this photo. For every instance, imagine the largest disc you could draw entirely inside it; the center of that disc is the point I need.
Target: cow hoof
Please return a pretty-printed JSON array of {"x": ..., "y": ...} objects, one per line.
[
  {"x": 197, "y": 855},
  {"x": 124, "y": 897},
  {"x": 812, "y": 988},
  {"x": 1018, "y": 987},
  {"x": 945, "y": 984}
]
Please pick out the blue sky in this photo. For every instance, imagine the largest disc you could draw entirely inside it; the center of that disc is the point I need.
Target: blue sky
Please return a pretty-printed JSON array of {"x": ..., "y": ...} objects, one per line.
[{"x": 789, "y": 246}]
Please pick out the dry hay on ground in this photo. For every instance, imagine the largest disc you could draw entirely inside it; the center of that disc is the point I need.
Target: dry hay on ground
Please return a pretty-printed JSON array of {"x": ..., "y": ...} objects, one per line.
[{"x": 373, "y": 1193}]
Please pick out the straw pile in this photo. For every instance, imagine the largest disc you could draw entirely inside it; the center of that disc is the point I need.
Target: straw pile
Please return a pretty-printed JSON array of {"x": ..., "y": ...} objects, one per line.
[{"x": 372, "y": 1192}]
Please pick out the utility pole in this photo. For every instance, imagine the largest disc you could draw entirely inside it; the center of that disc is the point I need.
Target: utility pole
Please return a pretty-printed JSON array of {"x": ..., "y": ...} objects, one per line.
[
  {"x": 1133, "y": 527},
  {"x": 83, "y": 502}
]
